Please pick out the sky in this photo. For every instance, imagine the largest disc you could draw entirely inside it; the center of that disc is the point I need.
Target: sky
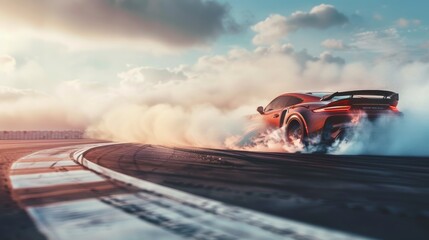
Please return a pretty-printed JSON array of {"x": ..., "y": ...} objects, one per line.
[
  {"x": 60, "y": 47},
  {"x": 54, "y": 30},
  {"x": 113, "y": 66}
]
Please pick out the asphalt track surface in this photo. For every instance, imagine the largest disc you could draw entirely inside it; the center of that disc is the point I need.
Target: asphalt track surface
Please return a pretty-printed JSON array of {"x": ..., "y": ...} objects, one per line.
[{"x": 371, "y": 196}]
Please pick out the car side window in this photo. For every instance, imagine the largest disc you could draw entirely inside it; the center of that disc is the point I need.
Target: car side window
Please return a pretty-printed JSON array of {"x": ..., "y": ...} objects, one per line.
[
  {"x": 283, "y": 102},
  {"x": 277, "y": 103},
  {"x": 293, "y": 100},
  {"x": 270, "y": 106}
]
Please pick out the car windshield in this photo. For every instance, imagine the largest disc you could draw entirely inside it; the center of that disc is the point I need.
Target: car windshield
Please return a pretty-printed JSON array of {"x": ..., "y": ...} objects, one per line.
[
  {"x": 319, "y": 94},
  {"x": 336, "y": 98}
]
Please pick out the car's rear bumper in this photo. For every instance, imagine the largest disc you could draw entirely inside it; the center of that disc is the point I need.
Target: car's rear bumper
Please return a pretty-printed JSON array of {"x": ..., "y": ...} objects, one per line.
[{"x": 339, "y": 126}]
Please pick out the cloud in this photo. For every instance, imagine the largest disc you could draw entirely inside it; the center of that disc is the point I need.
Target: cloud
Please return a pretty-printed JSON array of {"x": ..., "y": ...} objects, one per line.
[
  {"x": 27, "y": 74},
  {"x": 7, "y": 64},
  {"x": 386, "y": 42},
  {"x": 172, "y": 23},
  {"x": 403, "y": 22},
  {"x": 150, "y": 76},
  {"x": 270, "y": 30},
  {"x": 301, "y": 57},
  {"x": 334, "y": 44},
  {"x": 322, "y": 16},
  {"x": 276, "y": 26},
  {"x": 329, "y": 58},
  {"x": 8, "y": 94},
  {"x": 425, "y": 45},
  {"x": 377, "y": 16}
]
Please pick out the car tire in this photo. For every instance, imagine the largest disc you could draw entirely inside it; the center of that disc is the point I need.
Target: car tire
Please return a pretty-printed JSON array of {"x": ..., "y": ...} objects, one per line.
[{"x": 295, "y": 131}]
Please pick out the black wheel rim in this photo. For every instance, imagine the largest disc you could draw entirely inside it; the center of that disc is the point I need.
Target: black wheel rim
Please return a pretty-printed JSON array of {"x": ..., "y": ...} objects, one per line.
[{"x": 294, "y": 132}]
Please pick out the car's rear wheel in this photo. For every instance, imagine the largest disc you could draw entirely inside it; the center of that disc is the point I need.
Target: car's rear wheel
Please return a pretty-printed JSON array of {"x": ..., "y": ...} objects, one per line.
[{"x": 295, "y": 132}]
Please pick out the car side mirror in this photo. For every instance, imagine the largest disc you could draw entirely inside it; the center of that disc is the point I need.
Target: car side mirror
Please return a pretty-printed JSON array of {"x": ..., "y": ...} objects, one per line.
[{"x": 260, "y": 110}]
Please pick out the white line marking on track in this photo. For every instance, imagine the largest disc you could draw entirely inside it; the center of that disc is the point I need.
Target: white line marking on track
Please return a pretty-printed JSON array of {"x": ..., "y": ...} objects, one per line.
[
  {"x": 46, "y": 154},
  {"x": 49, "y": 179},
  {"x": 44, "y": 164}
]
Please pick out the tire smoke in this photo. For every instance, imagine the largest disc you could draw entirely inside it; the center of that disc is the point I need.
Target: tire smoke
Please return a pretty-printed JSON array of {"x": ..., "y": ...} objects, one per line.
[{"x": 207, "y": 104}]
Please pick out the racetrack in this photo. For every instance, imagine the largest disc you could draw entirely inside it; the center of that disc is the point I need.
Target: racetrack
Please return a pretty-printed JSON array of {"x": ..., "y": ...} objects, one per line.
[
  {"x": 69, "y": 197},
  {"x": 133, "y": 190},
  {"x": 372, "y": 196}
]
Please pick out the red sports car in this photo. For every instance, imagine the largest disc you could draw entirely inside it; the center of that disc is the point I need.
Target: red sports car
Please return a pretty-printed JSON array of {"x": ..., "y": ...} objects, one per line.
[{"x": 327, "y": 115}]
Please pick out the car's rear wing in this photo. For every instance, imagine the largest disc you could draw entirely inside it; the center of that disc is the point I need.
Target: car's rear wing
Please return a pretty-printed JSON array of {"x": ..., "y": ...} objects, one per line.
[
  {"x": 364, "y": 96},
  {"x": 382, "y": 93}
]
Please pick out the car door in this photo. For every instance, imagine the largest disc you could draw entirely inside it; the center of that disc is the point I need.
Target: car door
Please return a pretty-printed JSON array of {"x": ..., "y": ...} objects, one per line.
[{"x": 273, "y": 111}]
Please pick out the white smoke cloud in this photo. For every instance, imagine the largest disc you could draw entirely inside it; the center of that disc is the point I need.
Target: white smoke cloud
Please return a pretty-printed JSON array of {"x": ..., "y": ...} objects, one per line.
[
  {"x": 208, "y": 108},
  {"x": 407, "y": 135},
  {"x": 208, "y": 103},
  {"x": 200, "y": 125},
  {"x": 30, "y": 112}
]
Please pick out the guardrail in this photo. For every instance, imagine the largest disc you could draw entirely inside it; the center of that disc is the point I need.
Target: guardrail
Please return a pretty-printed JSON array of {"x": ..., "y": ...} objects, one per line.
[{"x": 40, "y": 135}]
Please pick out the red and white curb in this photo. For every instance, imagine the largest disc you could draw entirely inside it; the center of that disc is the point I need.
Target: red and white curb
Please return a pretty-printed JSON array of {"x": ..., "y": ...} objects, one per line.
[{"x": 104, "y": 204}]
